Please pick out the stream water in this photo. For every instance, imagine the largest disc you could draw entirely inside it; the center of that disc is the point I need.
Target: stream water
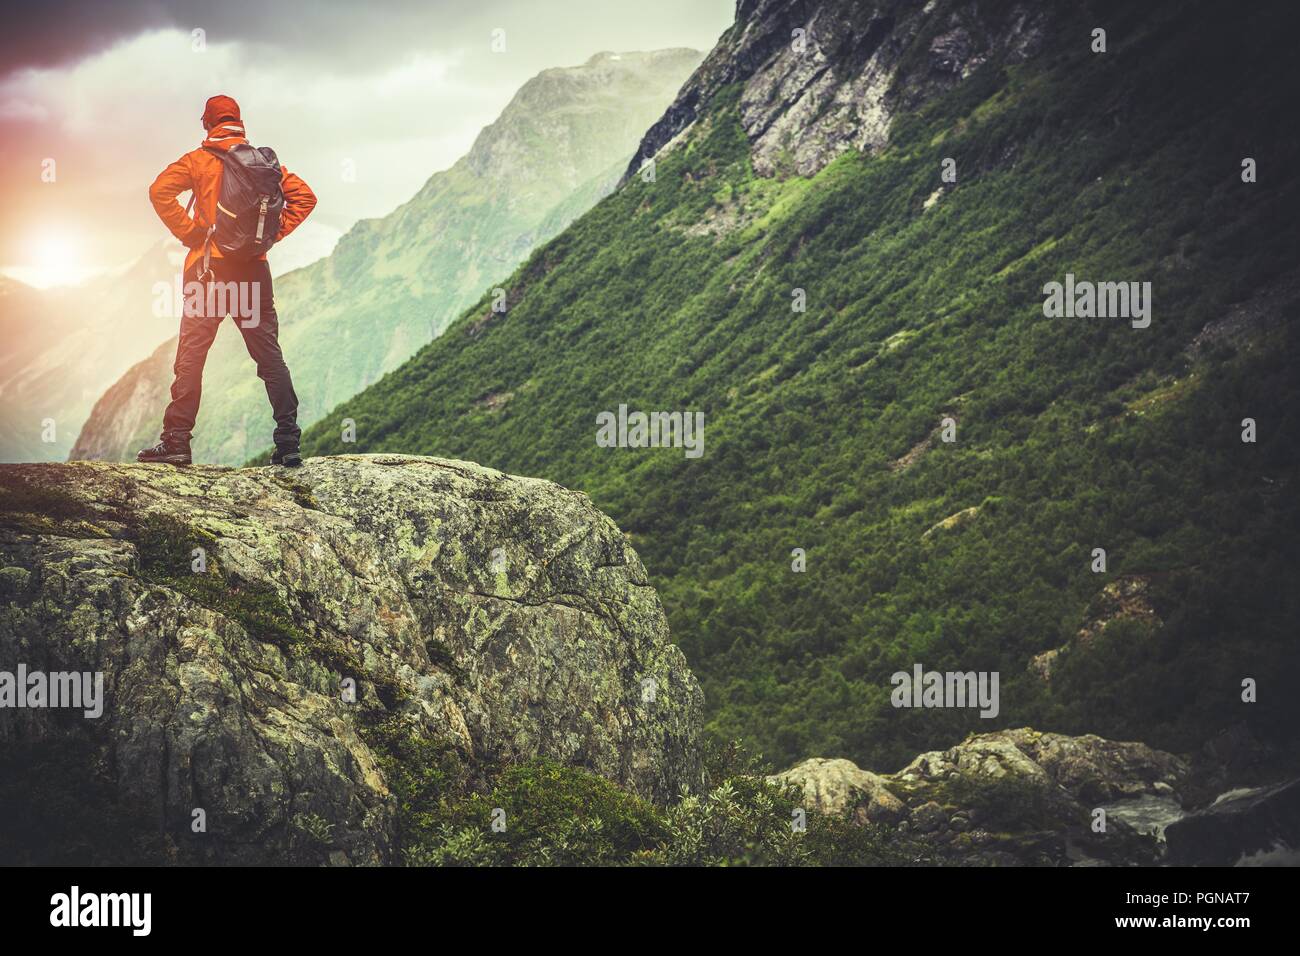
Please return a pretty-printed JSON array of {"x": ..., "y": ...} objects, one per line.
[{"x": 1152, "y": 813}]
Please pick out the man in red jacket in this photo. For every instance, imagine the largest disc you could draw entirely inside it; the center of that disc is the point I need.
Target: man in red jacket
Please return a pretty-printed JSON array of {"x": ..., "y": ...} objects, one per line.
[{"x": 199, "y": 172}]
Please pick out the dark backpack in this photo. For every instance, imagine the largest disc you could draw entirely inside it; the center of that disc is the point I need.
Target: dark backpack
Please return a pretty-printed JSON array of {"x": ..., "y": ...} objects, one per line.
[{"x": 249, "y": 202}]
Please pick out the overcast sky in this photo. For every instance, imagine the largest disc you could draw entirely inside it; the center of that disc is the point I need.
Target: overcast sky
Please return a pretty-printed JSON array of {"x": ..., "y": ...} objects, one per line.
[{"x": 112, "y": 92}]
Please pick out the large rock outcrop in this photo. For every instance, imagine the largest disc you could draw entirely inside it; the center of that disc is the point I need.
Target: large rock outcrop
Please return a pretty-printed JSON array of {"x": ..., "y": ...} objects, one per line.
[
  {"x": 1087, "y": 768},
  {"x": 1007, "y": 797},
  {"x": 499, "y": 617}
]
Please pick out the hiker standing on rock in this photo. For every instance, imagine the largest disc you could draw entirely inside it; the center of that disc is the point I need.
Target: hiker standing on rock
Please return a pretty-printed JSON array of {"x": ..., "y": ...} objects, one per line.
[{"x": 244, "y": 202}]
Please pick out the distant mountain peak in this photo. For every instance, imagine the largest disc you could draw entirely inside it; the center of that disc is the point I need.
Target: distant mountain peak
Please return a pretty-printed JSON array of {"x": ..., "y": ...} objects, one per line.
[{"x": 542, "y": 116}]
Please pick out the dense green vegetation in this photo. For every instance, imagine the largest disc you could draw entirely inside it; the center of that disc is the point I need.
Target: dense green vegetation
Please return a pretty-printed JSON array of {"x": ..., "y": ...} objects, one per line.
[
  {"x": 1072, "y": 433},
  {"x": 542, "y": 813}
]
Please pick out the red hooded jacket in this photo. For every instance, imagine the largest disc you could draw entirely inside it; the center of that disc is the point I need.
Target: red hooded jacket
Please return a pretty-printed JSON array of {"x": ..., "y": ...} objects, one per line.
[{"x": 200, "y": 171}]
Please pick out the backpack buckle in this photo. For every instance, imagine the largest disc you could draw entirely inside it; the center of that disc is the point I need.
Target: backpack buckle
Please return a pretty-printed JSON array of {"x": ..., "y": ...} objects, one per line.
[{"x": 206, "y": 275}]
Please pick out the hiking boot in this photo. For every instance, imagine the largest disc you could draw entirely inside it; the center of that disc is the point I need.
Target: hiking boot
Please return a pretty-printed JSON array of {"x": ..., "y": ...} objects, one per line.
[
  {"x": 167, "y": 453},
  {"x": 288, "y": 457}
]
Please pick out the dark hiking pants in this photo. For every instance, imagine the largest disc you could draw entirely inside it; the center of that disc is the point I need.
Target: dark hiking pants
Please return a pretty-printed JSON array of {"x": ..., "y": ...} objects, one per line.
[{"x": 243, "y": 291}]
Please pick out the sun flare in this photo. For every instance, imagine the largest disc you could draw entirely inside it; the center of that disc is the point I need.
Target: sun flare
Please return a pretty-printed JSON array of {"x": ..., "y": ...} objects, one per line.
[
  {"x": 57, "y": 257},
  {"x": 54, "y": 258}
]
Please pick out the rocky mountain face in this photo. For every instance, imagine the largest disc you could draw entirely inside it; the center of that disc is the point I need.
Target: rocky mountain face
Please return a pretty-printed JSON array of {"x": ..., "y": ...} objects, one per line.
[
  {"x": 394, "y": 283},
  {"x": 819, "y": 78},
  {"x": 69, "y": 345},
  {"x": 336, "y": 616}
]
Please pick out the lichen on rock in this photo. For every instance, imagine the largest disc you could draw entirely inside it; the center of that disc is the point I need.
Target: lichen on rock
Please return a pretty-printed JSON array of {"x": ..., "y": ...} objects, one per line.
[{"x": 500, "y": 618}]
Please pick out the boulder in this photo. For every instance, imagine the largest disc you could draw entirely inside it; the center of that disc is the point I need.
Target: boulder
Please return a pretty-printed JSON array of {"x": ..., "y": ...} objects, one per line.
[
  {"x": 840, "y": 787},
  {"x": 929, "y": 817},
  {"x": 988, "y": 756},
  {"x": 1262, "y": 821},
  {"x": 1093, "y": 769},
  {"x": 264, "y": 634},
  {"x": 1088, "y": 767}
]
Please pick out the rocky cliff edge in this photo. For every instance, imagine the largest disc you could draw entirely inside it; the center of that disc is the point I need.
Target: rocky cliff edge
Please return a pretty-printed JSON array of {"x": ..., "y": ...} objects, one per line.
[{"x": 259, "y": 633}]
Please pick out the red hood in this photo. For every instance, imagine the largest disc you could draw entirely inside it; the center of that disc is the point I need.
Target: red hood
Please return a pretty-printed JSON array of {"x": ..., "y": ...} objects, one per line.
[{"x": 226, "y": 135}]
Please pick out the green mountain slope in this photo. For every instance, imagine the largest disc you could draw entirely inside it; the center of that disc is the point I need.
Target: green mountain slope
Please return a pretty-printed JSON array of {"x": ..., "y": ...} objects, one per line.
[
  {"x": 394, "y": 283},
  {"x": 925, "y": 301}
]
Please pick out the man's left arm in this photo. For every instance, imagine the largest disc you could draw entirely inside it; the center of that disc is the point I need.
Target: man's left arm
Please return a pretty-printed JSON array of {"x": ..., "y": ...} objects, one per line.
[{"x": 299, "y": 201}]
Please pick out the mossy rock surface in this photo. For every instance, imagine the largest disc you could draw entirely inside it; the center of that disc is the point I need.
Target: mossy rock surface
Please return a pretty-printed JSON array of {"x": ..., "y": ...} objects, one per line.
[{"x": 234, "y": 613}]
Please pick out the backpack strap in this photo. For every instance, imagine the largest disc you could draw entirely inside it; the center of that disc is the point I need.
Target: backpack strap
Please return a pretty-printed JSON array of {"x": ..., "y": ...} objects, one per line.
[{"x": 206, "y": 274}]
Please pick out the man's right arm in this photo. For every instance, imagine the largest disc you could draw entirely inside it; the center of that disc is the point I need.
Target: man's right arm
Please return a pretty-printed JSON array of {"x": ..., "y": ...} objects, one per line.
[{"x": 171, "y": 182}]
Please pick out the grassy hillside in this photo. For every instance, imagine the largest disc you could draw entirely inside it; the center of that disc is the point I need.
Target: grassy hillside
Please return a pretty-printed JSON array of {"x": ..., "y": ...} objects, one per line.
[{"x": 1071, "y": 433}]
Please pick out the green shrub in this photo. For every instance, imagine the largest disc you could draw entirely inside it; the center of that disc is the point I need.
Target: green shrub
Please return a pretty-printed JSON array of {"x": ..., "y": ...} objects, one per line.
[
  {"x": 1011, "y": 803},
  {"x": 550, "y": 814},
  {"x": 555, "y": 815}
]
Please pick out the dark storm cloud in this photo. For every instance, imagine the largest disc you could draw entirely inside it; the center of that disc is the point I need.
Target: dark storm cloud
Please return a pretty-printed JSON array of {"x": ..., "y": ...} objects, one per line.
[{"x": 351, "y": 34}]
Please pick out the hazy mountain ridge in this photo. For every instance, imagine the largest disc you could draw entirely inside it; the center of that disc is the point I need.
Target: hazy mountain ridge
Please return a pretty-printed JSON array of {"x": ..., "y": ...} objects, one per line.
[{"x": 64, "y": 346}]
